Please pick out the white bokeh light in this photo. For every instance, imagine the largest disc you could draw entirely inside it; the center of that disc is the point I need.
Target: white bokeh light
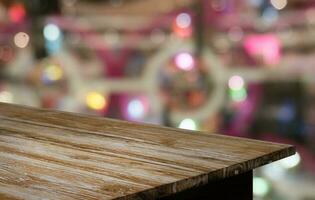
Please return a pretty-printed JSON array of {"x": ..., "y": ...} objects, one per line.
[
  {"x": 279, "y": 4},
  {"x": 136, "y": 109},
  {"x": 291, "y": 161},
  {"x": 6, "y": 97},
  {"x": 21, "y": 39},
  {"x": 188, "y": 124},
  {"x": 236, "y": 82},
  {"x": 185, "y": 61},
  {"x": 51, "y": 32},
  {"x": 260, "y": 187},
  {"x": 183, "y": 20}
]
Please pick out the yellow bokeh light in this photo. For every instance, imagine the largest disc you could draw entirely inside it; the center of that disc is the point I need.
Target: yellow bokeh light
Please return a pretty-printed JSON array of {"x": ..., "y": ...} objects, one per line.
[
  {"x": 95, "y": 100},
  {"x": 53, "y": 72}
]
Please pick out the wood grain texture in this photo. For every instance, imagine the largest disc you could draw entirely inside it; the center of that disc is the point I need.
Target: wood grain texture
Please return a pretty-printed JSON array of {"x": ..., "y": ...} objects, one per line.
[{"x": 57, "y": 155}]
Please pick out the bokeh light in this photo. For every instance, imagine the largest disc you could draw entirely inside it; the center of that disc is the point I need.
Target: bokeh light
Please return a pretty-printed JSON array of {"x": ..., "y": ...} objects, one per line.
[
  {"x": 182, "y": 25},
  {"x": 52, "y": 73},
  {"x": 266, "y": 47},
  {"x": 17, "y": 12},
  {"x": 183, "y": 20},
  {"x": 279, "y": 4},
  {"x": 238, "y": 95},
  {"x": 291, "y": 161},
  {"x": 6, "y": 97},
  {"x": 95, "y": 100},
  {"x": 188, "y": 124},
  {"x": 135, "y": 109},
  {"x": 185, "y": 61},
  {"x": 21, "y": 39},
  {"x": 51, "y": 32},
  {"x": 261, "y": 187},
  {"x": 236, "y": 82}
]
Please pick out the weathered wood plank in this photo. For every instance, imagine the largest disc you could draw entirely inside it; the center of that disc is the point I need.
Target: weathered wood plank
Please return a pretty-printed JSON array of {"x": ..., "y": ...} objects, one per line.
[{"x": 57, "y": 155}]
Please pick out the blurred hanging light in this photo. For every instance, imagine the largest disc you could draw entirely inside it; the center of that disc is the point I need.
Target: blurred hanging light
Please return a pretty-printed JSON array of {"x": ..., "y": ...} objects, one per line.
[
  {"x": 21, "y": 39},
  {"x": 185, "y": 61},
  {"x": 183, "y": 20},
  {"x": 52, "y": 32},
  {"x": 236, "y": 82},
  {"x": 135, "y": 109},
  {"x": 182, "y": 26},
  {"x": 188, "y": 124},
  {"x": 265, "y": 46},
  {"x": 238, "y": 95},
  {"x": 261, "y": 187},
  {"x": 54, "y": 38},
  {"x": 274, "y": 171},
  {"x": 6, "y": 97},
  {"x": 95, "y": 100},
  {"x": 291, "y": 161},
  {"x": 279, "y": 169},
  {"x": 17, "y": 13},
  {"x": 279, "y": 4},
  {"x": 52, "y": 73}
]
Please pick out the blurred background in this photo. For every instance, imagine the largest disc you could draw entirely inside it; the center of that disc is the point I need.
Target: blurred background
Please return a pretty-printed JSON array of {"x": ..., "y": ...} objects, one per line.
[{"x": 237, "y": 67}]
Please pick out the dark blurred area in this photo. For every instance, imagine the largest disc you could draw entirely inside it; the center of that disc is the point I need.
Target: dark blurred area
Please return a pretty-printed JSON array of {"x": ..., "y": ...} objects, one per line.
[{"x": 244, "y": 68}]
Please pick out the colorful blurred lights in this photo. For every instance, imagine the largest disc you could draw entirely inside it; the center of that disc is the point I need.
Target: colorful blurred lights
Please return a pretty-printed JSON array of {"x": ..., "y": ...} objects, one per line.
[
  {"x": 6, "y": 97},
  {"x": 136, "y": 109},
  {"x": 188, "y": 124},
  {"x": 51, "y": 32},
  {"x": 185, "y": 61},
  {"x": 17, "y": 12},
  {"x": 52, "y": 73},
  {"x": 182, "y": 25},
  {"x": 236, "y": 82},
  {"x": 21, "y": 39},
  {"x": 238, "y": 95},
  {"x": 265, "y": 46},
  {"x": 95, "y": 101},
  {"x": 279, "y": 4},
  {"x": 261, "y": 187},
  {"x": 183, "y": 20},
  {"x": 291, "y": 161}
]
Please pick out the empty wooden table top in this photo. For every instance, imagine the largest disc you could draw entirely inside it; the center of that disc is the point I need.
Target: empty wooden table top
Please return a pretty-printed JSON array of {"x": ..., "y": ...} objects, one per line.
[{"x": 57, "y": 155}]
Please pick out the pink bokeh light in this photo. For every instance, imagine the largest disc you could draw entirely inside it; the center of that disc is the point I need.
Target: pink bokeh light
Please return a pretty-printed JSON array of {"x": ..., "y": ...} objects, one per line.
[
  {"x": 266, "y": 46},
  {"x": 185, "y": 61}
]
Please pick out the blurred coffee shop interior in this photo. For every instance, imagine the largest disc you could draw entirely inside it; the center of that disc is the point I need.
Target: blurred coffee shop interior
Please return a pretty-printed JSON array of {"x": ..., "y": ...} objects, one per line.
[{"x": 243, "y": 68}]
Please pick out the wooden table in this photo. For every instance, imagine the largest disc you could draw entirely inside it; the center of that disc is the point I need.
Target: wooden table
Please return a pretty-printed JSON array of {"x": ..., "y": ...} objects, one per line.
[{"x": 57, "y": 155}]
